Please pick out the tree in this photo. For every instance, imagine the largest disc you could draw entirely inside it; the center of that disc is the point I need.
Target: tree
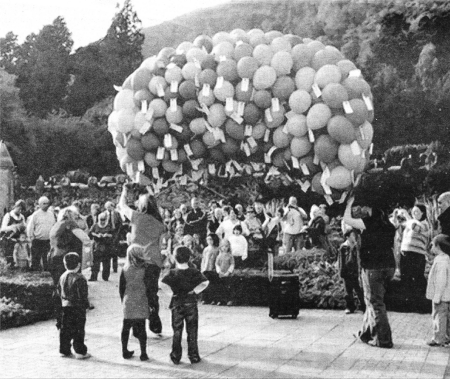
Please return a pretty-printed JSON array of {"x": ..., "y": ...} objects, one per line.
[
  {"x": 8, "y": 51},
  {"x": 43, "y": 68}
]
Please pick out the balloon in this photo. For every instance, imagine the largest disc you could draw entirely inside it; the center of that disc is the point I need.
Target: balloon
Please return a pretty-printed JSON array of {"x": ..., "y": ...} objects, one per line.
[
  {"x": 170, "y": 166},
  {"x": 173, "y": 74},
  {"x": 143, "y": 94},
  {"x": 204, "y": 41},
  {"x": 223, "y": 49},
  {"x": 150, "y": 142},
  {"x": 325, "y": 148},
  {"x": 141, "y": 78},
  {"x": 208, "y": 99},
  {"x": 327, "y": 74},
  {"x": 364, "y": 135},
  {"x": 124, "y": 100},
  {"x": 228, "y": 69},
  {"x": 230, "y": 147},
  {"x": 272, "y": 34},
  {"x": 278, "y": 158},
  {"x": 265, "y": 77},
  {"x": 136, "y": 134},
  {"x": 150, "y": 159},
  {"x": 242, "y": 50},
  {"x": 198, "y": 126},
  {"x": 160, "y": 126},
  {"x": 190, "y": 109},
  {"x": 187, "y": 90},
  {"x": 113, "y": 122},
  {"x": 252, "y": 114},
  {"x": 209, "y": 62},
  {"x": 360, "y": 113},
  {"x": 190, "y": 70},
  {"x": 258, "y": 131},
  {"x": 221, "y": 37},
  {"x": 124, "y": 161},
  {"x": 318, "y": 116},
  {"x": 224, "y": 92},
  {"x": 302, "y": 56},
  {"x": 196, "y": 54},
  {"x": 334, "y": 94},
  {"x": 340, "y": 178},
  {"x": 246, "y": 95},
  {"x": 217, "y": 116},
  {"x": 256, "y": 37},
  {"x": 345, "y": 66},
  {"x": 300, "y": 146},
  {"x": 179, "y": 59},
  {"x": 183, "y": 136},
  {"x": 135, "y": 149},
  {"x": 168, "y": 94},
  {"x": 277, "y": 118},
  {"x": 287, "y": 155},
  {"x": 139, "y": 121},
  {"x": 156, "y": 84},
  {"x": 263, "y": 54},
  {"x": 281, "y": 139},
  {"x": 209, "y": 140},
  {"x": 207, "y": 76},
  {"x": 283, "y": 88},
  {"x": 247, "y": 66},
  {"x": 293, "y": 39},
  {"x": 316, "y": 186},
  {"x": 262, "y": 99},
  {"x": 216, "y": 155},
  {"x": 159, "y": 107},
  {"x": 356, "y": 87},
  {"x": 300, "y": 101},
  {"x": 174, "y": 117},
  {"x": 127, "y": 83},
  {"x": 316, "y": 46},
  {"x": 184, "y": 47},
  {"x": 349, "y": 160},
  {"x": 304, "y": 78},
  {"x": 296, "y": 125},
  {"x": 341, "y": 129},
  {"x": 281, "y": 44},
  {"x": 239, "y": 35},
  {"x": 282, "y": 62},
  {"x": 198, "y": 148},
  {"x": 309, "y": 162},
  {"x": 234, "y": 130},
  {"x": 229, "y": 112},
  {"x": 125, "y": 120},
  {"x": 329, "y": 55},
  {"x": 182, "y": 156}
]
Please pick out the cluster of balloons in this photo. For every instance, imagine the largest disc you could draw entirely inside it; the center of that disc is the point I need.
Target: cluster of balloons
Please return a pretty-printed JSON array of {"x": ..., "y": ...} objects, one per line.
[{"x": 289, "y": 102}]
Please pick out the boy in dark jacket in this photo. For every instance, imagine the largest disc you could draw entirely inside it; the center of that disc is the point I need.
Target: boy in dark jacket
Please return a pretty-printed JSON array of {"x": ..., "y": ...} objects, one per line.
[
  {"x": 349, "y": 270},
  {"x": 185, "y": 283},
  {"x": 103, "y": 236},
  {"x": 73, "y": 291}
]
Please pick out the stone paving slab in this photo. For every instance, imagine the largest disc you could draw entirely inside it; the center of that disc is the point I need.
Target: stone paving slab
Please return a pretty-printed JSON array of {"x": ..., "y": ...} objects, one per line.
[{"x": 235, "y": 342}]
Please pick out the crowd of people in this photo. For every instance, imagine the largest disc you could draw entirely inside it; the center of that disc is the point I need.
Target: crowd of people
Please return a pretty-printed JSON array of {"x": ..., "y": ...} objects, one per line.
[{"x": 194, "y": 249}]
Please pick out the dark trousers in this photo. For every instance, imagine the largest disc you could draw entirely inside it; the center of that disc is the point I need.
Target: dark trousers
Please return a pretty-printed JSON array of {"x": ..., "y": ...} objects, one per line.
[
  {"x": 412, "y": 269},
  {"x": 105, "y": 261},
  {"x": 73, "y": 321},
  {"x": 351, "y": 284},
  {"x": 139, "y": 332},
  {"x": 185, "y": 313},
  {"x": 8, "y": 248},
  {"x": 152, "y": 275},
  {"x": 375, "y": 325},
  {"x": 208, "y": 294},
  {"x": 39, "y": 250}
]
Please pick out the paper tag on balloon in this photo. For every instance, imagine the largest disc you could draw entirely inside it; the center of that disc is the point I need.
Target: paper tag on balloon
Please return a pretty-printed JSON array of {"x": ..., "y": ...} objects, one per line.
[
  {"x": 241, "y": 108},
  {"x": 222, "y": 58},
  {"x": 219, "y": 82},
  {"x": 205, "y": 109},
  {"x": 268, "y": 115},
  {"x": 343, "y": 196},
  {"x": 316, "y": 90},
  {"x": 354, "y": 73},
  {"x": 183, "y": 180},
  {"x": 219, "y": 135},
  {"x": 229, "y": 104},
  {"x": 195, "y": 163},
  {"x": 155, "y": 172},
  {"x": 126, "y": 137},
  {"x": 253, "y": 94},
  {"x": 361, "y": 131},
  {"x": 295, "y": 162},
  {"x": 160, "y": 153},
  {"x": 347, "y": 107},
  {"x": 167, "y": 141},
  {"x": 316, "y": 160},
  {"x": 174, "y": 86},
  {"x": 239, "y": 43},
  {"x": 236, "y": 118},
  {"x": 275, "y": 104},
  {"x": 196, "y": 81},
  {"x": 188, "y": 150},
  {"x": 141, "y": 166},
  {"x": 174, "y": 154},
  {"x": 173, "y": 105},
  {"x": 290, "y": 114},
  {"x": 149, "y": 114},
  {"x": 252, "y": 143},
  {"x": 363, "y": 154},
  {"x": 245, "y": 84},
  {"x": 267, "y": 135},
  {"x": 305, "y": 185},
  {"x": 160, "y": 90},
  {"x": 171, "y": 65},
  {"x": 248, "y": 130},
  {"x": 212, "y": 169},
  {"x": 311, "y": 136},
  {"x": 371, "y": 149},
  {"x": 206, "y": 89},
  {"x": 304, "y": 168},
  {"x": 208, "y": 127},
  {"x": 197, "y": 63},
  {"x": 117, "y": 88},
  {"x": 237, "y": 165},
  {"x": 144, "y": 106},
  {"x": 285, "y": 129},
  {"x": 368, "y": 102},
  {"x": 272, "y": 149},
  {"x": 329, "y": 199},
  {"x": 247, "y": 150},
  {"x": 266, "y": 158},
  {"x": 356, "y": 149},
  {"x": 130, "y": 171},
  {"x": 145, "y": 127},
  {"x": 176, "y": 127}
]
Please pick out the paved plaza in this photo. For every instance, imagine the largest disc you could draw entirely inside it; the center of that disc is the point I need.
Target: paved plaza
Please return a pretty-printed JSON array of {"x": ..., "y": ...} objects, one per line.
[{"x": 235, "y": 342}]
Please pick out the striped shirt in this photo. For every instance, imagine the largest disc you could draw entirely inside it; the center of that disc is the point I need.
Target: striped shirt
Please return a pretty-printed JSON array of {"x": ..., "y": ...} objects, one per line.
[{"x": 415, "y": 236}]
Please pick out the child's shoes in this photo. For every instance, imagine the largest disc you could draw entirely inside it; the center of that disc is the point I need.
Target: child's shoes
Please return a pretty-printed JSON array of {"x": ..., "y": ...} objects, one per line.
[
  {"x": 127, "y": 354},
  {"x": 144, "y": 357}
]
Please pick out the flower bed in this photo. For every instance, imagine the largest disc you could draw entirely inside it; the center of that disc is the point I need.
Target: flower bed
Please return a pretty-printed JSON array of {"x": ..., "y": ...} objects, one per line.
[{"x": 26, "y": 297}]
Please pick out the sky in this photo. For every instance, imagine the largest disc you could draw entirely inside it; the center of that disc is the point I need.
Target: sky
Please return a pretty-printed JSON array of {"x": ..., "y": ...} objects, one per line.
[{"x": 87, "y": 20}]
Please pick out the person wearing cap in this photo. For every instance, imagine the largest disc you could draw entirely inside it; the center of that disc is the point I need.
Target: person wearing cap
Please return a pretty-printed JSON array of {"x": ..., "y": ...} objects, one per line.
[
  {"x": 438, "y": 290},
  {"x": 38, "y": 230},
  {"x": 13, "y": 224},
  {"x": 444, "y": 217},
  {"x": 101, "y": 232},
  {"x": 294, "y": 219}
]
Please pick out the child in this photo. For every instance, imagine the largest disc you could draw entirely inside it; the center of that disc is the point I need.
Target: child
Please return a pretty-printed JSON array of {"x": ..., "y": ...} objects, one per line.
[
  {"x": 208, "y": 265},
  {"x": 185, "y": 283},
  {"x": 349, "y": 270},
  {"x": 132, "y": 291},
  {"x": 238, "y": 246},
  {"x": 73, "y": 292},
  {"x": 224, "y": 268},
  {"x": 21, "y": 253},
  {"x": 103, "y": 235},
  {"x": 438, "y": 290}
]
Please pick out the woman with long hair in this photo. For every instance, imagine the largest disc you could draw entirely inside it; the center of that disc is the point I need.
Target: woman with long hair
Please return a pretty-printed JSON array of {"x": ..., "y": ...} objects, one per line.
[{"x": 147, "y": 228}]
